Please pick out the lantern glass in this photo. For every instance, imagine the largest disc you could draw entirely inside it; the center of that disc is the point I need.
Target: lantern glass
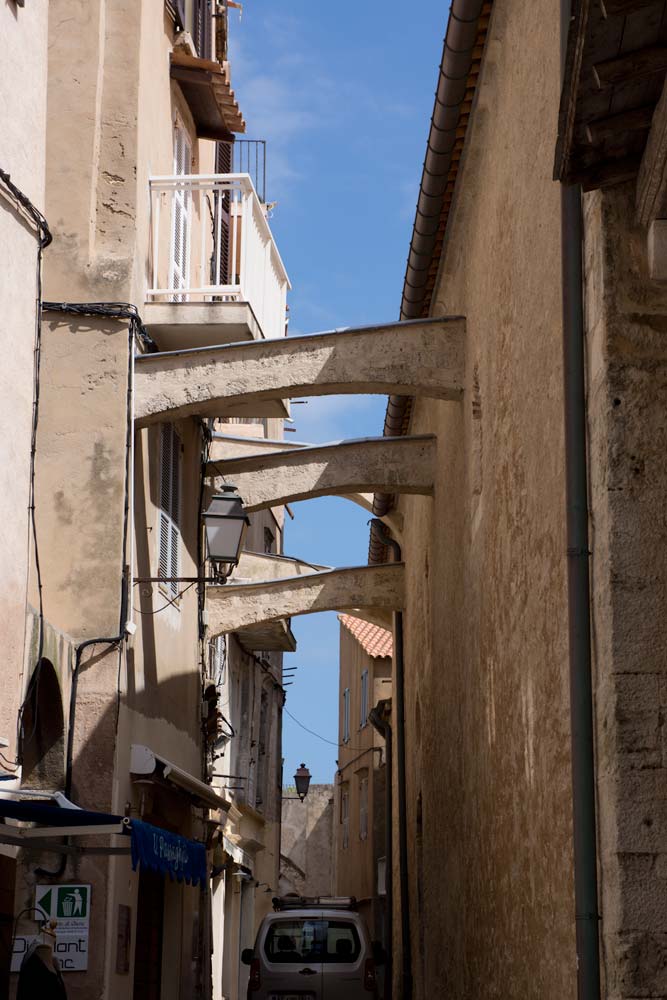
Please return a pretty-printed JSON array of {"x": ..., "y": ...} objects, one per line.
[
  {"x": 302, "y": 781},
  {"x": 226, "y": 524}
]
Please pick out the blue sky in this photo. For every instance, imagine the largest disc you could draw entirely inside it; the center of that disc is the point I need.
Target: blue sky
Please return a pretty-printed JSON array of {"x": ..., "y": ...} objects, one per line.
[{"x": 343, "y": 94}]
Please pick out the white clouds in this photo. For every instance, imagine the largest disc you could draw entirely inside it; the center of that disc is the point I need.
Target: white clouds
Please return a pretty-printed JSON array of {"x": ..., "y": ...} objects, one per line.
[{"x": 329, "y": 418}]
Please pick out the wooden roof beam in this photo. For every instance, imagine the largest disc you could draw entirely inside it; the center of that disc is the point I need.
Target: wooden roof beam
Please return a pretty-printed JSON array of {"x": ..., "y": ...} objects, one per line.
[
  {"x": 642, "y": 62},
  {"x": 635, "y": 120},
  {"x": 616, "y": 8},
  {"x": 651, "y": 196}
]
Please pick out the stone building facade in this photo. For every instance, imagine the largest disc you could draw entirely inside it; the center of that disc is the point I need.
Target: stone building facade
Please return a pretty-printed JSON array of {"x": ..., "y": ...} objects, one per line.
[
  {"x": 128, "y": 705},
  {"x": 490, "y": 848}
]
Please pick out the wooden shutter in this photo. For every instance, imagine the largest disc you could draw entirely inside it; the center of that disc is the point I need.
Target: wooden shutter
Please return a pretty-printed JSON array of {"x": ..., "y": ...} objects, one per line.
[
  {"x": 363, "y": 706},
  {"x": 170, "y": 506},
  {"x": 176, "y": 11},
  {"x": 222, "y": 222},
  {"x": 363, "y": 808},
  {"x": 346, "y": 715},
  {"x": 179, "y": 276},
  {"x": 202, "y": 28}
]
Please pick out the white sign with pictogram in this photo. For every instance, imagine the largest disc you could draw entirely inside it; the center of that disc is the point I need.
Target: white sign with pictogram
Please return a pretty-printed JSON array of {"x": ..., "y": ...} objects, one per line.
[{"x": 69, "y": 905}]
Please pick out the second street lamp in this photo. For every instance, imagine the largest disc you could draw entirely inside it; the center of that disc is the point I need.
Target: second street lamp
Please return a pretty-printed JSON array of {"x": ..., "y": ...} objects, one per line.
[{"x": 302, "y": 781}]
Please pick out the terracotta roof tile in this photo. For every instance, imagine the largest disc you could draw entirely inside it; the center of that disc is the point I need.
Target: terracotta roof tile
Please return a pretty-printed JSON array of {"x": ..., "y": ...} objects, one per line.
[{"x": 374, "y": 640}]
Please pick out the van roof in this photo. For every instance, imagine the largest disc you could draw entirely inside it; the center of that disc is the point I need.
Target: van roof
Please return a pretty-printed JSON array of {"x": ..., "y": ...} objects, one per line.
[{"x": 292, "y": 901}]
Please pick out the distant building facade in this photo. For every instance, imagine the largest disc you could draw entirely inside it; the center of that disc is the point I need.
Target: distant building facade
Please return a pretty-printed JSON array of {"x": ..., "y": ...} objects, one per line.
[
  {"x": 360, "y": 829},
  {"x": 306, "y": 852}
]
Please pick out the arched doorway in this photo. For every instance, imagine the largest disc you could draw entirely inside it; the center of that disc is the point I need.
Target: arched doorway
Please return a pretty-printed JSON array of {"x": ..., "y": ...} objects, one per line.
[{"x": 43, "y": 730}]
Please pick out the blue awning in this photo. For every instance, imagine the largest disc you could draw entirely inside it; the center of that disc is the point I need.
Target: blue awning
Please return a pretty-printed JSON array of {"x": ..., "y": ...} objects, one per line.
[
  {"x": 31, "y": 811},
  {"x": 151, "y": 847},
  {"x": 173, "y": 855}
]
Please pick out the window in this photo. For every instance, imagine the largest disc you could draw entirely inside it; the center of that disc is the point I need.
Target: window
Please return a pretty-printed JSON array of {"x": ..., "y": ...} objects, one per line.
[
  {"x": 269, "y": 541},
  {"x": 311, "y": 939},
  {"x": 179, "y": 269},
  {"x": 170, "y": 503},
  {"x": 218, "y": 659},
  {"x": 201, "y": 28},
  {"x": 363, "y": 807},
  {"x": 346, "y": 715},
  {"x": 363, "y": 706},
  {"x": 345, "y": 815}
]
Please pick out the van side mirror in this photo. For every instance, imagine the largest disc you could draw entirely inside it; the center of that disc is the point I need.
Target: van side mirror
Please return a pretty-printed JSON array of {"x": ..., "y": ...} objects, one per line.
[
  {"x": 247, "y": 956},
  {"x": 379, "y": 954}
]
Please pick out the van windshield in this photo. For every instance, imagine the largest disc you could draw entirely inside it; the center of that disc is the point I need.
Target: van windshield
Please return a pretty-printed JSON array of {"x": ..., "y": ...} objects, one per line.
[{"x": 306, "y": 939}]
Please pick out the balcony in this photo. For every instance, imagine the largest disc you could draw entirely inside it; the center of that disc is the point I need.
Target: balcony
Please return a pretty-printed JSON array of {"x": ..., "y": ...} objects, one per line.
[{"x": 216, "y": 276}]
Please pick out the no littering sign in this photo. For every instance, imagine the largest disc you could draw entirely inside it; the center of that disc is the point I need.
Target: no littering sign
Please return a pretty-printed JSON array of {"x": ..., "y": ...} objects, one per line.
[{"x": 69, "y": 905}]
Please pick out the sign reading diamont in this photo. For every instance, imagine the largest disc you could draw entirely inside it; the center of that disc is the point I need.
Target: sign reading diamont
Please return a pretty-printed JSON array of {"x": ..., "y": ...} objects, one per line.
[{"x": 69, "y": 905}]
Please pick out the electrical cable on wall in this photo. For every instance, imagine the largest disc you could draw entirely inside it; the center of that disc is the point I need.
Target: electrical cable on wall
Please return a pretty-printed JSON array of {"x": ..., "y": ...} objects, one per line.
[{"x": 31, "y": 213}]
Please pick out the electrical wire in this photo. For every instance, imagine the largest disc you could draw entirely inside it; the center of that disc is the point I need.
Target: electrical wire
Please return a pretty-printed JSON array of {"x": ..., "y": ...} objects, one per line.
[
  {"x": 114, "y": 310},
  {"x": 340, "y": 746},
  {"x": 28, "y": 909},
  {"x": 28, "y": 211},
  {"x": 169, "y": 603}
]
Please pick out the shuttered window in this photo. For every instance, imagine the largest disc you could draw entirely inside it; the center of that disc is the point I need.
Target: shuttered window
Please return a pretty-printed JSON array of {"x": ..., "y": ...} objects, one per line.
[
  {"x": 363, "y": 701},
  {"x": 346, "y": 715},
  {"x": 176, "y": 11},
  {"x": 170, "y": 506},
  {"x": 179, "y": 271},
  {"x": 363, "y": 807},
  {"x": 201, "y": 28},
  {"x": 345, "y": 815}
]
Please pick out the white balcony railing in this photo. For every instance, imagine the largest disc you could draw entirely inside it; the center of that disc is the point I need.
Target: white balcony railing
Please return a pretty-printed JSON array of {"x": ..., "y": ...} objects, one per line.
[{"x": 210, "y": 242}]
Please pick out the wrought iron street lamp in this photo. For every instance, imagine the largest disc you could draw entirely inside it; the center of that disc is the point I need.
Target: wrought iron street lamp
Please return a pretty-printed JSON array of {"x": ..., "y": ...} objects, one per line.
[
  {"x": 302, "y": 781},
  {"x": 226, "y": 523}
]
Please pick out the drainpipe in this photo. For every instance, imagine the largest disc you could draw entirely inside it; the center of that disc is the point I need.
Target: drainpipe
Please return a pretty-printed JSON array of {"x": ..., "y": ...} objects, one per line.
[
  {"x": 379, "y": 719},
  {"x": 399, "y": 698},
  {"x": 579, "y": 612}
]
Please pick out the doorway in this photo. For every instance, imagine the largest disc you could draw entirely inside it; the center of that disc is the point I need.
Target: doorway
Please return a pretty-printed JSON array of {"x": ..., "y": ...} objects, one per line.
[{"x": 150, "y": 931}]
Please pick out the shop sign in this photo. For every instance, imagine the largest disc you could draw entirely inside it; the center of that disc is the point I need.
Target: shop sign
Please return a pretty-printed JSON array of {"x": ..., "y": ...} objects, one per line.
[{"x": 69, "y": 906}]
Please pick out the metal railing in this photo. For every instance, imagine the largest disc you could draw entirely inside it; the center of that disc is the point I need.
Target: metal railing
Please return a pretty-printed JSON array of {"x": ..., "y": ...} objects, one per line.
[
  {"x": 211, "y": 242},
  {"x": 249, "y": 157}
]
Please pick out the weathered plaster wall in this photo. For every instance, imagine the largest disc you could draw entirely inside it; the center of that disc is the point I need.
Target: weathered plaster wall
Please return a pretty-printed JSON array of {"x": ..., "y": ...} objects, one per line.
[
  {"x": 80, "y": 472},
  {"x": 626, "y": 318},
  {"x": 307, "y": 841},
  {"x": 22, "y": 155},
  {"x": 487, "y": 710}
]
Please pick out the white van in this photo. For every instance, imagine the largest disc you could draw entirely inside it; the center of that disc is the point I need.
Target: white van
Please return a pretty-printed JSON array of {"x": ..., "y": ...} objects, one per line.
[{"x": 312, "y": 948}]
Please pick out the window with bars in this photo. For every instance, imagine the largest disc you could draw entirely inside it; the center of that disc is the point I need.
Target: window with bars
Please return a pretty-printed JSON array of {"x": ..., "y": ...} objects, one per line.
[
  {"x": 170, "y": 507},
  {"x": 363, "y": 807},
  {"x": 346, "y": 715},
  {"x": 363, "y": 701}
]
